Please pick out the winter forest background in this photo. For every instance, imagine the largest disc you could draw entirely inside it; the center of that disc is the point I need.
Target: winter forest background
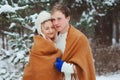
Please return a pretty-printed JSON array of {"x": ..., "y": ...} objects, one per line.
[{"x": 98, "y": 19}]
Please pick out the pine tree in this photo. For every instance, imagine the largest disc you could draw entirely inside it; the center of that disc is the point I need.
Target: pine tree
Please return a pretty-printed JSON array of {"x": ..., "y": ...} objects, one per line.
[
  {"x": 14, "y": 59},
  {"x": 18, "y": 18}
]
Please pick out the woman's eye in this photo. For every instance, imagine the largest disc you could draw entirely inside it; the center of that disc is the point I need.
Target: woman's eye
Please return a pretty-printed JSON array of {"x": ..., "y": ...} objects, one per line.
[{"x": 46, "y": 28}]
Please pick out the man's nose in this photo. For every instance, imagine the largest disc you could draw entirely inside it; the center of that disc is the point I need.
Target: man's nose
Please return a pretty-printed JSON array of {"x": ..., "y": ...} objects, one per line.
[{"x": 55, "y": 22}]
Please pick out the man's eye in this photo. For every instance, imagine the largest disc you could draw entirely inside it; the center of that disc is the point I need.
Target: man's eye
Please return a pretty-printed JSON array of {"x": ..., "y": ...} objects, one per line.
[
  {"x": 52, "y": 19},
  {"x": 59, "y": 18}
]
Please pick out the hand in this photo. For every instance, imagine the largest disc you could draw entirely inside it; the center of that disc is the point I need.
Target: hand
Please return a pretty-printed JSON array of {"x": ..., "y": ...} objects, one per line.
[
  {"x": 58, "y": 64},
  {"x": 49, "y": 39}
]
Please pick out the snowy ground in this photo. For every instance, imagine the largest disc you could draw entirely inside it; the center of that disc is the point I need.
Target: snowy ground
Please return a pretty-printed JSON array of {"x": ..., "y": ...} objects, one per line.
[
  {"x": 115, "y": 76},
  {"x": 111, "y": 76}
]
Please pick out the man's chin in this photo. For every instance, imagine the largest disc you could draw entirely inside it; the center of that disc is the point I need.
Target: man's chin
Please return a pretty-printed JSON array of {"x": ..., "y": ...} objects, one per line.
[{"x": 58, "y": 29}]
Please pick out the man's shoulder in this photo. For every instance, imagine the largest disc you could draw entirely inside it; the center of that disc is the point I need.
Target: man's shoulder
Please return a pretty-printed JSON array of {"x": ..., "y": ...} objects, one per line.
[
  {"x": 76, "y": 35},
  {"x": 75, "y": 32}
]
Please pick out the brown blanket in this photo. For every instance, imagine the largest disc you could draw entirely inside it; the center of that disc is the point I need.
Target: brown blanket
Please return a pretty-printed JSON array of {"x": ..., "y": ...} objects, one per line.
[
  {"x": 78, "y": 52},
  {"x": 41, "y": 64},
  {"x": 43, "y": 55}
]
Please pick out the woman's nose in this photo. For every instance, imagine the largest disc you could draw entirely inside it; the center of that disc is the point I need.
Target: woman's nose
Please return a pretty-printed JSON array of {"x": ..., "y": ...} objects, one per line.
[{"x": 51, "y": 30}]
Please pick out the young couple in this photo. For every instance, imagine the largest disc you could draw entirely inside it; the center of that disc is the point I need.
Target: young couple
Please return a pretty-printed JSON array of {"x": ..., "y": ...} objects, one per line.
[{"x": 60, "y": 52}]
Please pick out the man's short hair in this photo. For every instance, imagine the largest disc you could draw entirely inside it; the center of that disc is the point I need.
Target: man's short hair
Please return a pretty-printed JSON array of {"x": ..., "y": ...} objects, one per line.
[{"x": 61, "y": 7}]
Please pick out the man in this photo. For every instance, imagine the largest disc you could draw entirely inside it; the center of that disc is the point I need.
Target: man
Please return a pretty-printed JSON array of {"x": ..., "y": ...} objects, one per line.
[{"x": 76, "y": 62}]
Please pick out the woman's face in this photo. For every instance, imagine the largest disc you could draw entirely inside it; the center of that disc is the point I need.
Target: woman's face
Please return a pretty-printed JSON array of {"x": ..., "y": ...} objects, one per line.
[{"x": 48, "y": 30}]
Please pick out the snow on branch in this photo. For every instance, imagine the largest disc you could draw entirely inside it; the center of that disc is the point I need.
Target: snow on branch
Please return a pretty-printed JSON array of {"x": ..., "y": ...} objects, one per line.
[{"x": 7, "y": 8}]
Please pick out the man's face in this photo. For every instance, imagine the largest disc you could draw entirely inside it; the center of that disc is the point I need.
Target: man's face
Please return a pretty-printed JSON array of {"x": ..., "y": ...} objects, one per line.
[{"x": 60, "y": 22}]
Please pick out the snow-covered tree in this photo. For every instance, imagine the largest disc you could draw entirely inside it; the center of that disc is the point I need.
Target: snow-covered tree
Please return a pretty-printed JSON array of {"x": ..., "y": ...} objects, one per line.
[
  {"x": 17, "y": 20},
  {"x": 14, "y": 59}
]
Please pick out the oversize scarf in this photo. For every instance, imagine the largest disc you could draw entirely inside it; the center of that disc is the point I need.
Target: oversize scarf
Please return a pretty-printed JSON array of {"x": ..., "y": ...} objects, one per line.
[
  {"x": 78, "y": 52},
  {"x": 43, "y": 55}
]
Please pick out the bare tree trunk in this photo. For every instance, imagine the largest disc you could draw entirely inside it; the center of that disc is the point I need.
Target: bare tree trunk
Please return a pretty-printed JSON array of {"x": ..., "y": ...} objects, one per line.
[
  {"x": 23, "y": 29},
  {"x": 114, "y": 33},
  {"x": 3, "y": 44},
  {"x": 117, "y": 31},
  {"x": 7, "y": 43},
  {"x": 117, "y": 24}
]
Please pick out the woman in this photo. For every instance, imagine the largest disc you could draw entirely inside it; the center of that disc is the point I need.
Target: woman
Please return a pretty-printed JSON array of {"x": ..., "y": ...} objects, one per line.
[{"x": 43, "y": 53}]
